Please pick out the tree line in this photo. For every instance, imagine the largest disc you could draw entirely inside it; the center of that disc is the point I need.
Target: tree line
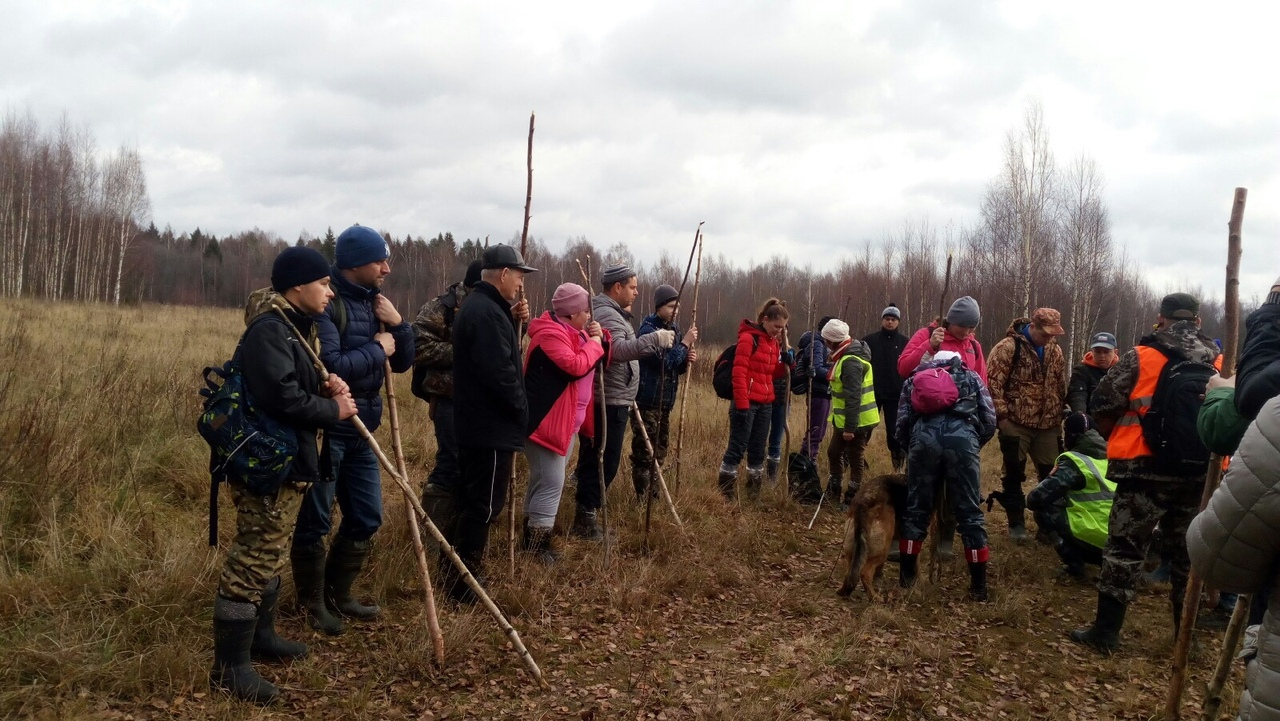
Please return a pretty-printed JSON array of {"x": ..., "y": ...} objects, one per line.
[{"x": 75, "y": 225}]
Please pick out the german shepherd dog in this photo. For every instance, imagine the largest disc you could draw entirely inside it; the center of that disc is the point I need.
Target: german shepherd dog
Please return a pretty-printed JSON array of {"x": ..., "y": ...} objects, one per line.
[{"x": 869, "y": 530}]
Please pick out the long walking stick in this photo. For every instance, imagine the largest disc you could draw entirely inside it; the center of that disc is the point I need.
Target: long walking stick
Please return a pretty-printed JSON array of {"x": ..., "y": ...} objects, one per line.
[
  {"x": 786, "y": 418},
  {"x": 602, "y": 429},
  {"x": 684, "y": 392},
  {"x": 524, "y": 244},
  {"x": 662, "y": 383},
  {"x": 445, "y": 547},
  {"x": 429, "y": 596},
  {"x": 1230, "y": 640},
  {"x": 944, "y": 515},
  {"x": 1231, "y": 339}
]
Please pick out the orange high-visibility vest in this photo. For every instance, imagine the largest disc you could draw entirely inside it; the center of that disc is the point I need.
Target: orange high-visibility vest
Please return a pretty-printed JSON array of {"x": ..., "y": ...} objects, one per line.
[{"x": 1126, "y": 442}]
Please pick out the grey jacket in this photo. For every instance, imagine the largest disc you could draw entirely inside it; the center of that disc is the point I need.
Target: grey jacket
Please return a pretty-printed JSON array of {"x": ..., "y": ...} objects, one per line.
[
  {"x": 622, "y": 375},
  {"x": 1235, "y": 545}
]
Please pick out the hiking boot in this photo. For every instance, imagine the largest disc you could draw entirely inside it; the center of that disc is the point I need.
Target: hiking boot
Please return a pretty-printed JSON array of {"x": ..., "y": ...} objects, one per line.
[
  {"x": 346, "y": 558},
  {"x": 537, "y": 541},
  {"x": 728, "y": 482},
  {"x": 267, "y": 644},
  {"x": 1104, "y": 634},
  {"x": 771, "y": 469},
  {"x": 1017, "y": 528},
  {"x": 755, "y": 478},
  {"x": 234, "y": 626},
  {"x": 308, "y": 580},
  {"x": 907, "y": 564},
  {"x": 833, "y": 490},
  {"x": 438, "y": 502},
  {"x": 642, "y": 480},
  {"x": 586, "y": 525},
  {"x": 978, "y": 581}
]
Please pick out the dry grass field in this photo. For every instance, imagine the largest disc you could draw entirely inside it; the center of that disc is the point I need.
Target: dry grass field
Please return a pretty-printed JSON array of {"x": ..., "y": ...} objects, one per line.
[{"x": 106, "y": 581}]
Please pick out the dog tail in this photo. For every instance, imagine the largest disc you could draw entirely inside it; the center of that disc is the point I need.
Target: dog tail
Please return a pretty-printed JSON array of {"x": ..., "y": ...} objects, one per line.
[{"x": 855, "y": 547}]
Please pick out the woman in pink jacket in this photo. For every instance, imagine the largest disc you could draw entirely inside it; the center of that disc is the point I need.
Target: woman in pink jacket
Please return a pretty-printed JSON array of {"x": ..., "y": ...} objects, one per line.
[
  {"x": 955, "y": 334},
  {"x": 564, "y": 347}
]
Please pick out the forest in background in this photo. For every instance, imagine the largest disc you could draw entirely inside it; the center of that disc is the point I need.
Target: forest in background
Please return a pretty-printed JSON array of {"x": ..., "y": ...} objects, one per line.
[{"x": 75, "y": 224}]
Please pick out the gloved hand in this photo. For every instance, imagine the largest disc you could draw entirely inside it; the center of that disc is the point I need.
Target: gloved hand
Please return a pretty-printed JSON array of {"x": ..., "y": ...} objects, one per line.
[{"x": 666, "y": 338}]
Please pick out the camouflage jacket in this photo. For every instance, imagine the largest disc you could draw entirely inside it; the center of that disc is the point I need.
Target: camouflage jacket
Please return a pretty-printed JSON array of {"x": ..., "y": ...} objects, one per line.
[
  {"x": 1111, "y": 399},
  {"x": 1026, "y": 389},
  {"x": 433, "y": 342}
]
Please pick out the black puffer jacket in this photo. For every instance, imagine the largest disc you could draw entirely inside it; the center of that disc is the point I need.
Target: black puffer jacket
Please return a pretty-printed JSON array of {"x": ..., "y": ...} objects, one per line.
[
  {"x": 1258, "y": 372},
  {"x": 284, "y": 384},
  {"x": 886, "y": 346},
  {"x": 356, "y": 357},
  {"x": 490, "y": 409}
]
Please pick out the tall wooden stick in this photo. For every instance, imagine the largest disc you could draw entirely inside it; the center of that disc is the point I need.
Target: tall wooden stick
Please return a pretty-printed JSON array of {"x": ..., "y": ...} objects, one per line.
[
  {"x": 412, "y": 499},
  {"x": 1230, "y": 641},
  {"x": 657, "y": 470},
  {"x": 684, "y": 393},
  {"x": 1191, "y": 601},
  {"x": 602, "y": 428},
  {"x": 942, "y": 508},
  {"x": 946, "y": 287},
  {"x": 815, "y": 336},
  {"x": 662, "y": 382},
  {"x": 428, "y": 594},
  {"x": 524, "y": 247}
]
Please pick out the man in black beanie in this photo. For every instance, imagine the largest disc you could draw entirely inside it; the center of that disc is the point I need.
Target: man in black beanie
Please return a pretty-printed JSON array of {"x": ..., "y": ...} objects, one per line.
[
  {"x": 359, "y": 333},
  {"x": 285, "y": 386},
  {"x": 886, "y": 346},
  {"x": 659, "y": 379}
]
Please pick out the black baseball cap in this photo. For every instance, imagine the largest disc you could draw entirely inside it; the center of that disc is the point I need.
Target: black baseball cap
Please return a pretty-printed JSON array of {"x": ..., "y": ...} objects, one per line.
[
  {"x": 504, "y": 256},
  {"x": 1103, "y": 340}
]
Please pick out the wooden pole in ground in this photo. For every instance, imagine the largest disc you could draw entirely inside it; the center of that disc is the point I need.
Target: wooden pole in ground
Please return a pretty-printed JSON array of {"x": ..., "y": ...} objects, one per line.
[
  {"x": 942, "y": 505},
  {"x": 1231, "y": 340},
  {"x": 815, "y": 336},
  {"x": 602, "y": 428},
  {"x": 684, "y": 393},
  {"x": 412, "y": 499},
  {"x": 524, "y": 248},
  {"x": 657, "y": 470},
  {"x": 1230, "y": 641},
  {"x": 428, "y": 594},
  {"x": 665, "y": 416}
]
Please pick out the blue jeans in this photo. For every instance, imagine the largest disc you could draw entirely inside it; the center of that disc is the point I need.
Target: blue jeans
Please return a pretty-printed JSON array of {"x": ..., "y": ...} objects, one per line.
[
  {"x": 777, "y": 427},
  {"x": 358, "y": 489}
]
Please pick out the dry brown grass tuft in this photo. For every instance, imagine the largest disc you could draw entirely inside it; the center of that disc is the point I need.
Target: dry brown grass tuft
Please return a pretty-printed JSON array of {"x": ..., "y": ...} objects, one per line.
[{"x": 106, "y": 582}]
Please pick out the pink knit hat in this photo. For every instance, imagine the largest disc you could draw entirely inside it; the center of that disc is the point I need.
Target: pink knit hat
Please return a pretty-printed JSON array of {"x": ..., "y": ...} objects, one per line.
[{"x": 570, "y": 299}]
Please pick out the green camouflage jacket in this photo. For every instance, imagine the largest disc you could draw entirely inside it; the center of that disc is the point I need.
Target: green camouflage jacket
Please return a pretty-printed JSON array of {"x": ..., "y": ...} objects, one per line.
[{"x": 433, "y": 342}]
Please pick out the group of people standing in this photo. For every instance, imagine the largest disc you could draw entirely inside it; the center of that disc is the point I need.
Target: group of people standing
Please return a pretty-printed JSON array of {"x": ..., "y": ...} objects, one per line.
[{"x": 586, "y": 373}]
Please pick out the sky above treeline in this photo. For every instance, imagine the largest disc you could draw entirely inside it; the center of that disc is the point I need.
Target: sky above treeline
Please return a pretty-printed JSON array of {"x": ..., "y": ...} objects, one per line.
[{"x": 805, "y": 129}]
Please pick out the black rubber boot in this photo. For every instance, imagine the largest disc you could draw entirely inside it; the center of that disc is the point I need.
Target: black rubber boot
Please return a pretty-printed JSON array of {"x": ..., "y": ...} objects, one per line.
[
  {"x": 1017, "y": 527},
  {"x": 267, "y": 644},
  {"x": 907, "y": 565},
  {"x": 586, "y": 525},
  {"x": 471, "y": 546},
  {"x": 833, "y": 493},
  {"x": 755, "y": 479},
  {"x": 771, "y": 469},
  {"x": 346, "y": 558},
  {"x": 1104, "y": 634},
  {"x": 978, "y": 581},
  {"x": 308, "y": 579},
  {"x": 234, "y": 624},
  {"x": 439, "y": 504},
  {"x": 728, "y": 482}
]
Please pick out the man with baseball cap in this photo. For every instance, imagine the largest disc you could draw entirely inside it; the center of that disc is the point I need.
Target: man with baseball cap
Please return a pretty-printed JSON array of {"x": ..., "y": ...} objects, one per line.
[
  {"x": 1026, "y": 373},
  {"x": 359, "y": 332},
  {"x": 490, "y": 411},
  {"x": 1086, "y": 374}
]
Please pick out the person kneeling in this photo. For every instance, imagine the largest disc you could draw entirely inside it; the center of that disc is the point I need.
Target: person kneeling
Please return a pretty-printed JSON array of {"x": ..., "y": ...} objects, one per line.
[{"x": 1074, "y": 500}]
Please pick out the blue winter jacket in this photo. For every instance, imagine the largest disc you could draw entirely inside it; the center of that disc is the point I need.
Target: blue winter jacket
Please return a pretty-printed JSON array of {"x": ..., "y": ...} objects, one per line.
[
  {"x": 357, "y": 358},
  {"x": 676, "y": 360},
  {"x": 814, "y": 354}
]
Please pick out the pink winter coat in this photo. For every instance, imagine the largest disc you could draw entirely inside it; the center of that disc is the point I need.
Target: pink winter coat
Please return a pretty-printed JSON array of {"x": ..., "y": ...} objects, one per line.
[
  {"x": 970, "y": 351},
  {"x": 559, "y": 369}
]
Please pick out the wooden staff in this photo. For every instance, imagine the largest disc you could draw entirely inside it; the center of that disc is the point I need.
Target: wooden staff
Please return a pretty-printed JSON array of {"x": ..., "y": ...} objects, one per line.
[
  {"x": 657, "y": 470},
  {"x": 662, "y": 381},
  {"x": 1191, "y": 601},
  {"x": 1230, "y": 641},
  {"x": 814, "y": 337},
  {"x": 524, "y": 245},
  {"x": 428, "y": 594},
  {"x": 684, "y": 393},
  {"x": 942, "y": 508},
  {"x": 445, "y": 547},
  {"x": 786, "y": 418},
  {"x": 602, "y": 429}
]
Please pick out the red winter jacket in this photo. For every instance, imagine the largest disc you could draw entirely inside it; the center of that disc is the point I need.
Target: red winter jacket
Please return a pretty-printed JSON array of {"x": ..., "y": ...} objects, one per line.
[
  {"x": 558, "y": 378},
  {"x": 753, "y": 372}
]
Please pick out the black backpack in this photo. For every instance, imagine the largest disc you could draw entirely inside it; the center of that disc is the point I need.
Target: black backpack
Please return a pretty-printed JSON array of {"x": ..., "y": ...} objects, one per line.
[
  {"x": 722, "y": 371},
  {"x": 1169, "y": 427},
  {"x": 802, "y": 477}
]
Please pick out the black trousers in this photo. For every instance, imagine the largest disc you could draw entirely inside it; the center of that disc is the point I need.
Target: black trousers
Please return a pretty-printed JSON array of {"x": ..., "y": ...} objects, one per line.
[
  {"x": 482, "y": 489},
  {"x": 588, "y": 471}
]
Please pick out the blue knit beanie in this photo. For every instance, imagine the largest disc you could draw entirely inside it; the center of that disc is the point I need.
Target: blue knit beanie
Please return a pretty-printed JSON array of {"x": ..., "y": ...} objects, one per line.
[{"x": 359, "y": 245}]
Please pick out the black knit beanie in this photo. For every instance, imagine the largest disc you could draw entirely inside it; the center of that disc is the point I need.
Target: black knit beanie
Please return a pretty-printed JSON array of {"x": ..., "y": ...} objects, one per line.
[{"x": 297, "y": 266}]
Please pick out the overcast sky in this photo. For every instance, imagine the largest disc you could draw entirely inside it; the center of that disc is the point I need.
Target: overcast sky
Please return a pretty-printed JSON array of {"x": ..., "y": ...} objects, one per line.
[{"x": 800, "y": 128}]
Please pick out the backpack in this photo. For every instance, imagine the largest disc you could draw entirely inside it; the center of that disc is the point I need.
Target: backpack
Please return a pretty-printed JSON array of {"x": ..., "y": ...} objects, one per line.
[
  {"x": 722, "y": 371},
  {"x": 1169, "y": 426},
  {"x": 933, "y": 390},
  {"x": 420, "y": 369},
  {"x": 243, "y": 442},
  {"x": 802, "y": 479}
]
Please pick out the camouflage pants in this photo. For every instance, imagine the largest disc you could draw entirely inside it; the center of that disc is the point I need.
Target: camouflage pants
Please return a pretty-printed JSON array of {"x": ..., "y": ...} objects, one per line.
[
  {"x": 1138, "y": 506},
  {"x": 944, "y": 450},
  {"x": 657, "y": 424},
  {"x": 264, "y": 530}
]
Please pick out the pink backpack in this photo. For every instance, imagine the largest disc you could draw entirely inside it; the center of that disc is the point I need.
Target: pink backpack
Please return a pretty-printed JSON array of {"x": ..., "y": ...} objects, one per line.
[{"x": 933, "y": 390}]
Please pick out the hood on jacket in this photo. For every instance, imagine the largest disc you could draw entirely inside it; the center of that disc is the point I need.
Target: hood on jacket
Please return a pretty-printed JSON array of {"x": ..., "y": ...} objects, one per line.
[
  {"x": 341, "y": 285},
  {"x": 806, "y": 340},
  {"x": 1185, "y": 335},
  {"x": 1016, "y": 326},
  {"x": 1092, "y": 363},
  {"x": 860, "y": 349},
  {"x": 747, "y": 326},
  {"x": 1092, "y": 444}
]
